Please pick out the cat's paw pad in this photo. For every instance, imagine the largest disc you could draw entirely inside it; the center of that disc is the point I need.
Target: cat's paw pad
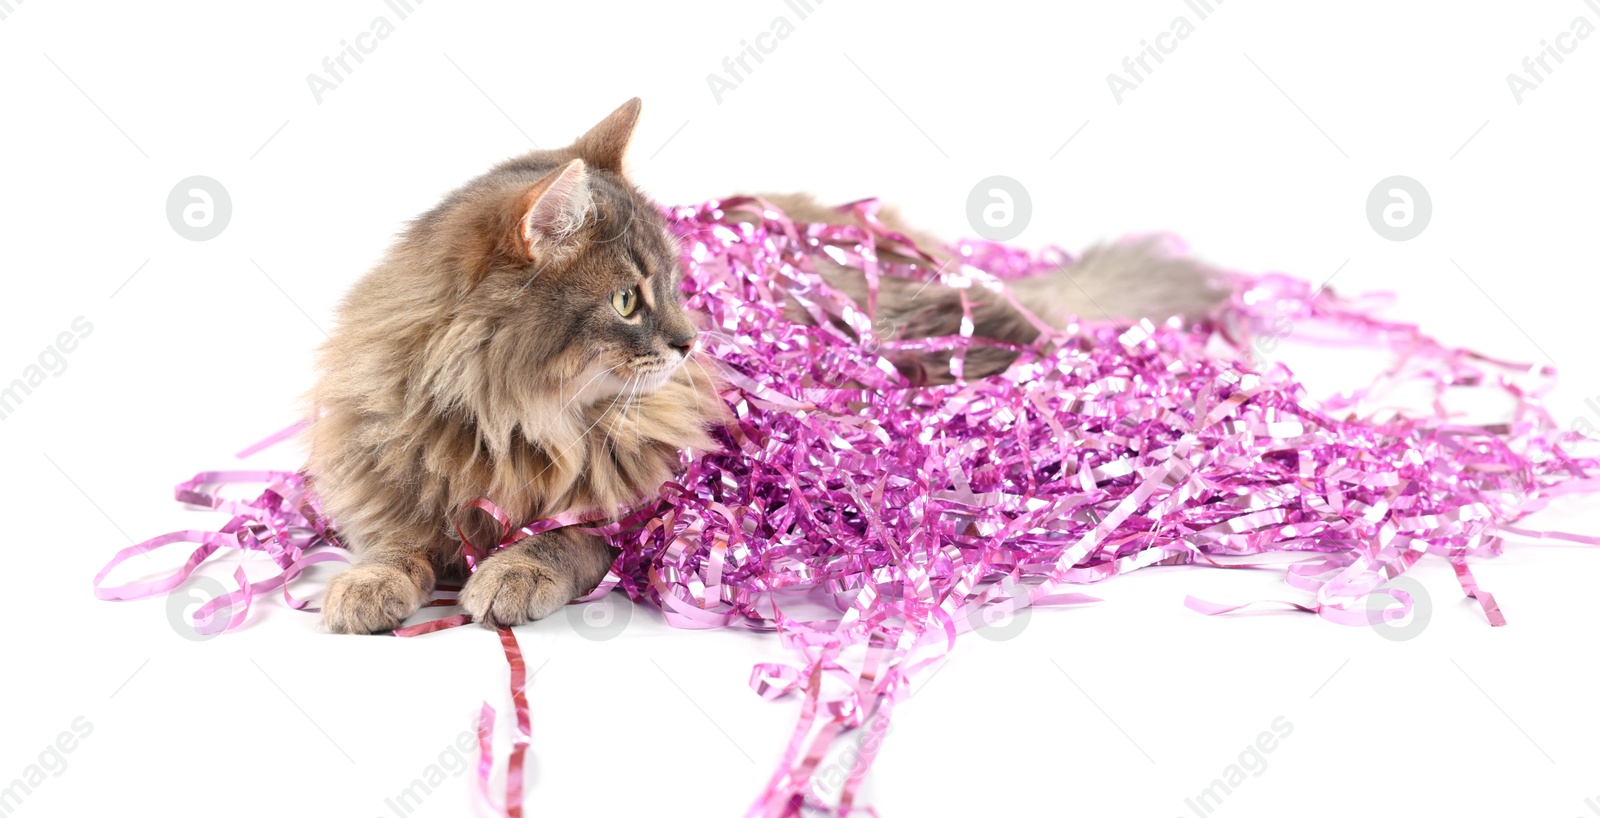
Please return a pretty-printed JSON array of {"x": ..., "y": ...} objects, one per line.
[
  {"x": 512, "y": 589},
  {"x": 370, "y": 599}
]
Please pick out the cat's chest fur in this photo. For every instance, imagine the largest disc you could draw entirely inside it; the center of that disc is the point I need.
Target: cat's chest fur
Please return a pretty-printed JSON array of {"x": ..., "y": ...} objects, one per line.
[
  {"x": 415, "y": 470},
  {"x": 608, "y": 454}
]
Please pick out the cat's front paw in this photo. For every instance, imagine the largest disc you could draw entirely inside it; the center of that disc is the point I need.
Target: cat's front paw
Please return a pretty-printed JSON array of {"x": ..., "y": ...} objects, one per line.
[
  {"x": 512, "y": 588},
  {"x": 370, "y": 599}
]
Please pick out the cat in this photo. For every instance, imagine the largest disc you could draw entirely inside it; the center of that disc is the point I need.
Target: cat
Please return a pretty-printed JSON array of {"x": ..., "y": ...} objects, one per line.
[{"x": 524, "y": 341}]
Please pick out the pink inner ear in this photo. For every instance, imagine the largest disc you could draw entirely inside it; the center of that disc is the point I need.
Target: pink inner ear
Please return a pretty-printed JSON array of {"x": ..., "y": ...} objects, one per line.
[{"x": 560, "y": 206}]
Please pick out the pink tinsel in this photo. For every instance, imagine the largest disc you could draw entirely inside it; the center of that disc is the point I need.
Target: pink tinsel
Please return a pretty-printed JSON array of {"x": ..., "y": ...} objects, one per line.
[{"x": 907, "y": 512}]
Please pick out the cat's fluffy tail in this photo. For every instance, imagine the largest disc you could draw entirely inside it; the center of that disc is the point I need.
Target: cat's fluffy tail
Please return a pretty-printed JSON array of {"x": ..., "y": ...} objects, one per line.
[
  {"x": 1125, "y": 281},
  {"x": 1129, "y": 280}
]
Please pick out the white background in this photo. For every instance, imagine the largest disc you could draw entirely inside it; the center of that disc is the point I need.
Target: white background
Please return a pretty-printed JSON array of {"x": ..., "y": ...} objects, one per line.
[{"x": 1123, "y": 708}]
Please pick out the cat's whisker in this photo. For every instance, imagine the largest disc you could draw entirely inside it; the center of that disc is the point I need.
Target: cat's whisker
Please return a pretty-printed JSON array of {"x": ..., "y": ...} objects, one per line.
[
  {"x": 609, "y": 440},
  {"x": 710, "y": 382},
  {"x": 582, "y": 436},
  {"x": 634, "y": 392},
  {"x": 636, "y": 424},
  {"x": 693, "y": 386},
  {"x": 611, "y": 416},
  {"x": 586, "y": 386},
  {"x": 638, "y": 390},
  {"x": 723, "y": 337},
  {"x": 636, "y": 382}
]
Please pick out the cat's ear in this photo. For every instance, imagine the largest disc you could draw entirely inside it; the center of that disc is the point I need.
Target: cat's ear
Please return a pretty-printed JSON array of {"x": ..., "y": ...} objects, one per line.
[
  {"x": 555, "y": 209},
  {"x": 605, "y": 143}
]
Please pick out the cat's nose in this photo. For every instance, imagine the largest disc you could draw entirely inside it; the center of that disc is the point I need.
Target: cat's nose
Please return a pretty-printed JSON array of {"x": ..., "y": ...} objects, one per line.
[{"x": 684, "y": 344}]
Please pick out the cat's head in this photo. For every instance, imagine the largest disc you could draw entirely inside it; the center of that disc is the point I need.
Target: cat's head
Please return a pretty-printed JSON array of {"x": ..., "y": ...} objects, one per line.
[{"x": 563, "y": 276}]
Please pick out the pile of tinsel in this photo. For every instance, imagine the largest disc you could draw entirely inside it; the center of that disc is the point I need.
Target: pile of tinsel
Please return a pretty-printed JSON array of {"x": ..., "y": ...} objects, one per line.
[{"x": 869, "y": 522}]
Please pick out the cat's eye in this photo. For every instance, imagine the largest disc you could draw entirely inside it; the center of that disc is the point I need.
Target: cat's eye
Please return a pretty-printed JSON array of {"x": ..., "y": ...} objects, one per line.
[{"x": 625, "y": 301}]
